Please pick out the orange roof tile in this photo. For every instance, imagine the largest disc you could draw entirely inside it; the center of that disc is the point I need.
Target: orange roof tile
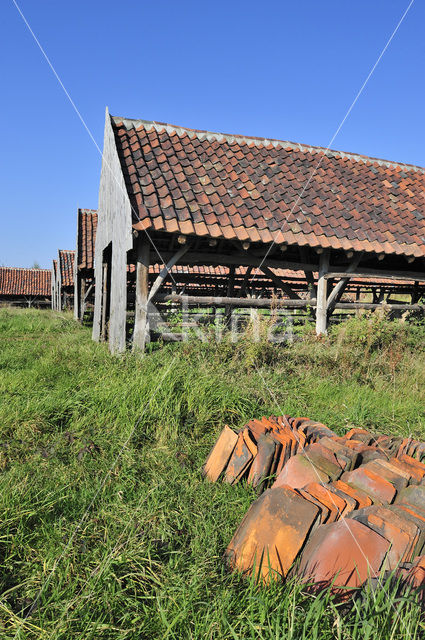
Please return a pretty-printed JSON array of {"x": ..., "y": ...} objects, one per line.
[
  {"x": 66, "y": 266},
  {"x": 25, "y": 282},
  {"x": 86, "y": 236},
  {"x": 270, "y": 190}
]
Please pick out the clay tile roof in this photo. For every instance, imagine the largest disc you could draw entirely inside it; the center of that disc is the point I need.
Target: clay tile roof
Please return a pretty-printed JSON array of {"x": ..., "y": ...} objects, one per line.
[
  {"x": 236, "y": 187},
  {"x": 66, "y": 265},
  {"x": 25, "y": 282},
  {"x": 215, "y": 271},
  {"x": 86, "y": 235}
]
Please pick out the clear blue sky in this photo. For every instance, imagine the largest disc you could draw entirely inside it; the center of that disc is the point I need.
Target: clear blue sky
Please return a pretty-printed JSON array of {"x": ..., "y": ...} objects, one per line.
[{"x": 285, "y": 69}]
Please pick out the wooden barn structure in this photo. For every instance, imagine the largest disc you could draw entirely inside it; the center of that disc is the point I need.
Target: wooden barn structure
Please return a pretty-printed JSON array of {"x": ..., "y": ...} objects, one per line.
[
  {"x": 54, "y": 286},
  {"x": 62, "y": 275},
  {"x": 84, "y": 261},
  {"x": 25, "y": 287},
  {"x": 171, "y": 195}
]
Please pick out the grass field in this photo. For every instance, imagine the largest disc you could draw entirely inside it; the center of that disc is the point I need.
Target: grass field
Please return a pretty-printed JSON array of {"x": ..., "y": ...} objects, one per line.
[{"x": 109, "y": 531}]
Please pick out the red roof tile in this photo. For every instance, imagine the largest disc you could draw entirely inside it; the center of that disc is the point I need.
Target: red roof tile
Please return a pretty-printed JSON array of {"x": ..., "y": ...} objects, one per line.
[
  {"x": 287, "y": 275},
  {"x": 86, "y": 235},
  {"x": 25, "y": 282},
  {"x": 214, "y": 271},
  {"x": 66, "y": 265},
  {"x": 269, "y": 190}
]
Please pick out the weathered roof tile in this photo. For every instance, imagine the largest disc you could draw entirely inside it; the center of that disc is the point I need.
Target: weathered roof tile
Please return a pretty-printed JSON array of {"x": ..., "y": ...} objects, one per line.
[
  {"x": 86, "y": 235},
  {"x": 66, "y": 266},
  {"x": 25, "y": 282},
  {"x": 271, "y": 190}
]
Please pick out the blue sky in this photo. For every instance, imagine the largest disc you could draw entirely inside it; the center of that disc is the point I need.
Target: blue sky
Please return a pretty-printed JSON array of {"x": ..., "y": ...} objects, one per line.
[{"x": 280, "y": 69}]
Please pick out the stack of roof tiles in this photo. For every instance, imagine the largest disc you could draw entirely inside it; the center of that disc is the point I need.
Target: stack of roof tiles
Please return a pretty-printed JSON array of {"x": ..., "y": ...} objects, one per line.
[
  {"x": 334, "y": 510},
  {"x": 25, "y": 282},
  {"x": 242, "y": 188},
  {"x": 66, "y": 266}
]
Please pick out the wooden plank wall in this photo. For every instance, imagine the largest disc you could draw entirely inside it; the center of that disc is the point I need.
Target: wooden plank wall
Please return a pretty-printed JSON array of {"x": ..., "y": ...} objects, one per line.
[{"x": 114, "y": 225}]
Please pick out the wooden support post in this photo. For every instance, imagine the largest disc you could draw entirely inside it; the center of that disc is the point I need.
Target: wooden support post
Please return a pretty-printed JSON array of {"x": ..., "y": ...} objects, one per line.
[
  {"x": 230, "y": 284},
  {"x": 279, "y": 283},
  {"x": 82, "y": 302},
  {"x": 141, "y": 320},
  {"x": 165, "y": 272},
  {"x": 339, "y": 289},
  {"x": 88, "y": 292},
  {"x": 245, "y": 281},
  {"x": 321, "y": 311},
  {"x": 104, "y": 301},
  {"x": 415, "y": 292},
  {"x": 311, "y": 285}
]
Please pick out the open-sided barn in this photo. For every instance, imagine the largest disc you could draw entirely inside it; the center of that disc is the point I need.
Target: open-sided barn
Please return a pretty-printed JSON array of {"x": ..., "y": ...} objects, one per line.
[
  {"x": 84, "y": 260},
  {"x": 54, "y": 286},
  {"x": 175, "y": 195},
  {"x": 25, "y": 287},
  {"x": 63, "y": 280},
  {"x": 193, "y": 280}
]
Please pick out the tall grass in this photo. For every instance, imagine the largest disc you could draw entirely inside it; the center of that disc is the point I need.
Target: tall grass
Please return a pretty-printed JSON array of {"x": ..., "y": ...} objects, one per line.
[{"x": 104, "y": 511}]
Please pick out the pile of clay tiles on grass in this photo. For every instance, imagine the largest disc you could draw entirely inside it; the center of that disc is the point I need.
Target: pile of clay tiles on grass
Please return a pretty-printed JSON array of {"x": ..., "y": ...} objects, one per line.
[{"x": 336, "y": 511}]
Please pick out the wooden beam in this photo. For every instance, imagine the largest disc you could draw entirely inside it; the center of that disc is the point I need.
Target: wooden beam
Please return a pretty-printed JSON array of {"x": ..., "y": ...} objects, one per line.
[
  {"x": 170, "y": 337},
  {"x": 279, "y": 283},
  {"x": 339, "y": 288},
  {"x": 311, "y": 285},
  {"x": 141, "y": 320},
  {"x": 377, "y": 273},
  {"x": 82, "y": 300},
  {"x": 383, "y": 305},
  {"x": 77, "y": 294},
  {"x": 415, "y": 292},
  {"x": 284, "y": 303},
  {"x": 381, "y": 295},
  {"x": 166, "y": 270},
  {"x": 222, "y": 301},
  {"x": 230, "y": 285},
  {"x": 273, "y": 277},
  {"x": 322, "y": 286},
  {"x": 312, "y": 290},
  {"x": 245, "y": 281},
  {"x": 88, "y": 292}
]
